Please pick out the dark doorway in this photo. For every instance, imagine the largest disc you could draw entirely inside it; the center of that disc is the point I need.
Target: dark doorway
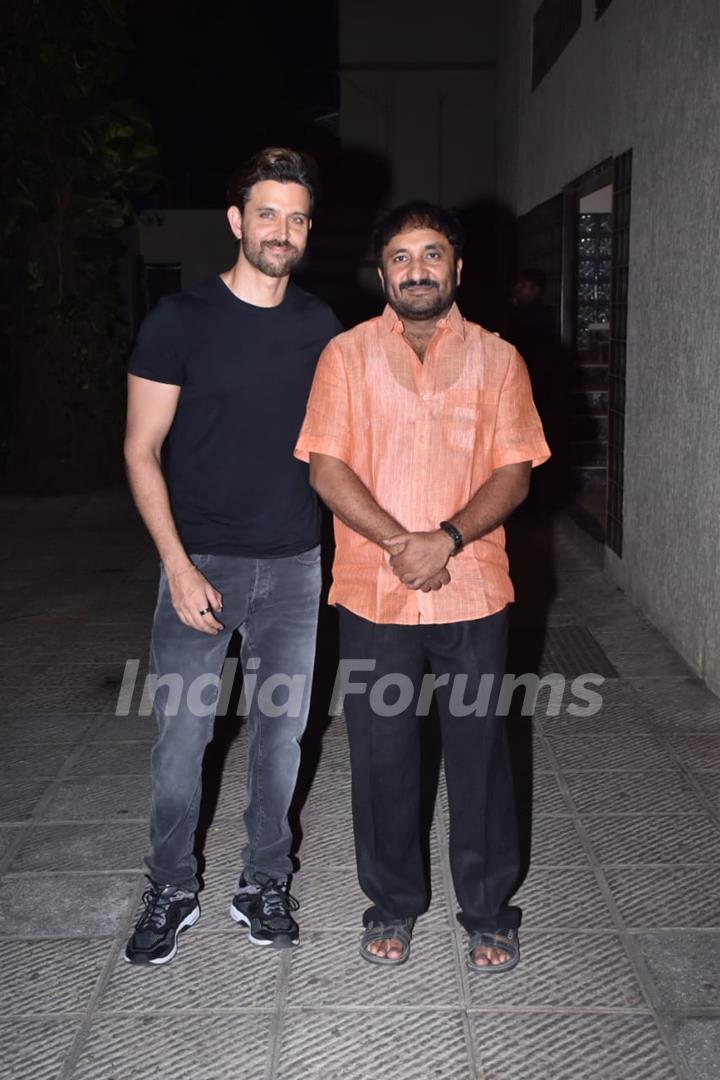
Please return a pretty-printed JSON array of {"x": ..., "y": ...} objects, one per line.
[
  {"x": 594, "y": 318},
  {"x": 581, "y": 240},
  {"x": 587, "y": 271}
]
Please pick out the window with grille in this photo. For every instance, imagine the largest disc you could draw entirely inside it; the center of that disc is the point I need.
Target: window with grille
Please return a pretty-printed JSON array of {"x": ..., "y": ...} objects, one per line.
[{"x": 554, "y": 24}]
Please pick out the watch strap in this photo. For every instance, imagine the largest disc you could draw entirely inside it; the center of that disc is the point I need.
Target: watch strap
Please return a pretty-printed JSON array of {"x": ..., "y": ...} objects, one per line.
[{"x": 455, "y": 535}]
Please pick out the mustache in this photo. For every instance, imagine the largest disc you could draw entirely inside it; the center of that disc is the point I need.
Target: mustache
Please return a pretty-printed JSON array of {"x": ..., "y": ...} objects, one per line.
[
  {"x": 419, "y": 282},
  {"x": 279, "y": 243}
]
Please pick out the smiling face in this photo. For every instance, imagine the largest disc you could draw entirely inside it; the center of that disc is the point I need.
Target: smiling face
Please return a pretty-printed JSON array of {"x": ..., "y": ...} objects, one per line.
[
  {"x": 420, "y": 274},
  {"x": 273, "y": 226}
]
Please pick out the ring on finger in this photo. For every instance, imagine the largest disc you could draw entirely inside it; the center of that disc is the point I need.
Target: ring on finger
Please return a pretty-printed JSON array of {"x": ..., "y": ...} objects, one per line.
[{"x": 206, "y": 611}]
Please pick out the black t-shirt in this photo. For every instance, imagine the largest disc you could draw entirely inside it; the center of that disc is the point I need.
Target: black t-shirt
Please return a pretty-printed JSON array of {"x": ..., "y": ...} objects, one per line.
[{"x": 245, "y": 373}]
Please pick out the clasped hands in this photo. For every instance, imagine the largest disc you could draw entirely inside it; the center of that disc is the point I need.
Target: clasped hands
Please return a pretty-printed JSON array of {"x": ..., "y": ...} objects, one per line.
[{"x": 420, "y": 559}]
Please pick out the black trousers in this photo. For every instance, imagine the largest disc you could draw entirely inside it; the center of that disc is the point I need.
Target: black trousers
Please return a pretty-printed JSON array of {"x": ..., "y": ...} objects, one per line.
[{"x": 385, "y": 755}]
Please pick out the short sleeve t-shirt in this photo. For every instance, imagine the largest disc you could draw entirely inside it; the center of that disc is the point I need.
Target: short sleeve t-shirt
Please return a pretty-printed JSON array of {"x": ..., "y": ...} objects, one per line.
[{"x": 245, "y": 373}]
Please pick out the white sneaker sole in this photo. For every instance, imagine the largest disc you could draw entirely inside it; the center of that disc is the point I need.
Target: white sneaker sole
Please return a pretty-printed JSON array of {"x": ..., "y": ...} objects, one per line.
[{"x": 189, "y": 920}]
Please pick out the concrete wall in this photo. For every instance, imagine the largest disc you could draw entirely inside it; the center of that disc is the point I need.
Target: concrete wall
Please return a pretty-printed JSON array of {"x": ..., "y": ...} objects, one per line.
[
  {"x": 645, "y": 76},
  {"x": 418, "y": 89}
]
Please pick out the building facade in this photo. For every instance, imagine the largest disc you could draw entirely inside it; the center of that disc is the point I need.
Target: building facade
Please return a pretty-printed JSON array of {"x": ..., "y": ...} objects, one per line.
[{"x": 626, "y": 93}]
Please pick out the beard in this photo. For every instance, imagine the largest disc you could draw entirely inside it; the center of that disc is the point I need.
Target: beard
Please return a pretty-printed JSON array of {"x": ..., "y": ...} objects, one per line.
[
  {"x": 433, "y": 305},
  {"x": 267, "y": 262}
]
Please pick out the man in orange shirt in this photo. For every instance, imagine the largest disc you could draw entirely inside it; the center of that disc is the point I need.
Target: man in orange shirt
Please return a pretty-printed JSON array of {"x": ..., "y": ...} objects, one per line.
[{"x": 421, "y": 432}]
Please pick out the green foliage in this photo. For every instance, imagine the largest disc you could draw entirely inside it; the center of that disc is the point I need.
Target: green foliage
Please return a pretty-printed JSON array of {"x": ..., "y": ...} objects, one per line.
[{"x": 74, "y": 150}]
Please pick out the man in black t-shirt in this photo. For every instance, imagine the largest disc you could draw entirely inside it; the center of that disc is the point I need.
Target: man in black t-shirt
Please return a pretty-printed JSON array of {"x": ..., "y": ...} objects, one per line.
[{"x": 218, "y": 384}]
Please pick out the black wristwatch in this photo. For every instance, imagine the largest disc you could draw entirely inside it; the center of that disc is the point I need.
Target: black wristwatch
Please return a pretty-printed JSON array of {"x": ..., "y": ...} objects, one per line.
[{"x": 455, "y": 535}]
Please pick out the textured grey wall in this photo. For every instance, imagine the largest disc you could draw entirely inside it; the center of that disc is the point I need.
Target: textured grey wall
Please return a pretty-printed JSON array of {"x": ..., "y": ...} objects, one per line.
[
  {"x": 417, "y": 87},
  {"x": 646, "y": 76}
]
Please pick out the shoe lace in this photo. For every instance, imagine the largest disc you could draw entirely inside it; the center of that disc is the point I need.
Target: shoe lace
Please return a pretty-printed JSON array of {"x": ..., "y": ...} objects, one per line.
[
  {"x": 276, "y": 900},
  {"x": 156, "y": 907}
]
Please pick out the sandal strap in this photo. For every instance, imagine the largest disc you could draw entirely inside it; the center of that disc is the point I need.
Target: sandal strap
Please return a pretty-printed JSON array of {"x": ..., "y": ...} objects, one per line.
[
  {"x": 399, "y": 929},
  {"x": 505, "y": 940}
]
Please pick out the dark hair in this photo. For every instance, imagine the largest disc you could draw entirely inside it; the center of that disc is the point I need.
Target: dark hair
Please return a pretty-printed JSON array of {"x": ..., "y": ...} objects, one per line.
[
  {"x": 273, "y": 163},
  {"x": 417, "y": 215},
  {"x": 534, "y": 276}
]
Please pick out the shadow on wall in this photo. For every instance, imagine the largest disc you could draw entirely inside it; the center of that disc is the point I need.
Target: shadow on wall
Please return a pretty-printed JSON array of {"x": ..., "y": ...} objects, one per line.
[
  {"x": 488, "y": 261},
  {"x": 339, "y": 265}
]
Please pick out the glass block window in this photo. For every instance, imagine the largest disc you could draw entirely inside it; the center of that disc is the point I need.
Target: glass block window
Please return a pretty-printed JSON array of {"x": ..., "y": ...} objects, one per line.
[
  {"x": 554, "y": 24},
  {"x": 594, "y": 252}
]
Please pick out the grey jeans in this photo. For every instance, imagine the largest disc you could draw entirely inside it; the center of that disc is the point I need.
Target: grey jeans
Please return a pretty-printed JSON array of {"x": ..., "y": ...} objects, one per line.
[{"x": 274, "y": 604}]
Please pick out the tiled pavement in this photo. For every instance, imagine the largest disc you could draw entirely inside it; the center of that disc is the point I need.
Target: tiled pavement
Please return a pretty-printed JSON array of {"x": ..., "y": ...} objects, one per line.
[{"x": 620, "y": 975}]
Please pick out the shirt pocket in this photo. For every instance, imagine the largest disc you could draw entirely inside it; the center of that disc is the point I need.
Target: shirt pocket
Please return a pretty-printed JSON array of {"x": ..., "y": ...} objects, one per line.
[{"x": 468, "y": 418}]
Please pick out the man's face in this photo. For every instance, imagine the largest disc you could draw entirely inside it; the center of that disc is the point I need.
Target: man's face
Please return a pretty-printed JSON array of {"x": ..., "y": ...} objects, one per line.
[
  {"x": 273, "y": 227},
  {"x": 525, "y": 291},
  {"x": 420, "y": 274}
]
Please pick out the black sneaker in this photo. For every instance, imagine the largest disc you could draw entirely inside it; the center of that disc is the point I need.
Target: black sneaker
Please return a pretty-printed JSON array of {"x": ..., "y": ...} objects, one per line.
[
  {"x": 266, "y": 909},
  {"x": 168, "y": 911}
]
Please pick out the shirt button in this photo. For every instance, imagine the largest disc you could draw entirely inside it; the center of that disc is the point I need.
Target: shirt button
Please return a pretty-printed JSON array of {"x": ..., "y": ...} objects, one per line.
[{"x": 426, "y": 397}]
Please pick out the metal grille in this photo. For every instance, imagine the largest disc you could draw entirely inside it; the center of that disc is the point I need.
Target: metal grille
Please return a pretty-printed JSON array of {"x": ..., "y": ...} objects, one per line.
[{"x": 618, "y": 349}]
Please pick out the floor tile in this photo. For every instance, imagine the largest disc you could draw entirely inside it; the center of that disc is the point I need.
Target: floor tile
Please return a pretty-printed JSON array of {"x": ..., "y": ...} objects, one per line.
[
  {"x": 333, "y": 845},
  {"x": 697, "y": 1041},
  {"x": 9, "y": 834},
  {"x": 64, "y": 905},
  {"x": 631, "y": 793},
  {"x": 227, "y": 975},
  {"x": 555, "y": 841},
  {"x": 122, "y": 729},
  {"x": 698, "y": 750},
  {"x": 627, "y": 753},
  {"x": 34, "y": 1049},
  {"x": 640, "y": 653},
  {"x": 547, "y": 797},
  {"x": 108, "y": 759},
  {"x": 78, "y": 699},
  {"x": 689, "y": 838},
  {"x": 340, "y": 1045},
  {"x": 562, "y": 970},
  {"x": 609, "y": 720},
  {"x": 682, "y": 704},
  {"x": 709, "y": 787},
  {"x": 49, "y": 976},
  {"x": 683, "y": 966},
  {"x": 115, "y": 846},
  {"x": 32, "y": 761},
  {"x": 561, "y": 1047},
  {"x": 562, "y": 897},
  {"x": 42, "y": 729},
  {"x": 18, "y": 798},
  {"x": 665, "y": 896},
  {"x": 109, "y": 797},
  {"x": 210, "y": 1048},
  {"x": 327, "y": 972}
]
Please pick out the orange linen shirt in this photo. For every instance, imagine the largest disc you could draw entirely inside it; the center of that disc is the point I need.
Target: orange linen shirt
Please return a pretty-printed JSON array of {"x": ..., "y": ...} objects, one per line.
[{"x": 422, "y": 437}]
